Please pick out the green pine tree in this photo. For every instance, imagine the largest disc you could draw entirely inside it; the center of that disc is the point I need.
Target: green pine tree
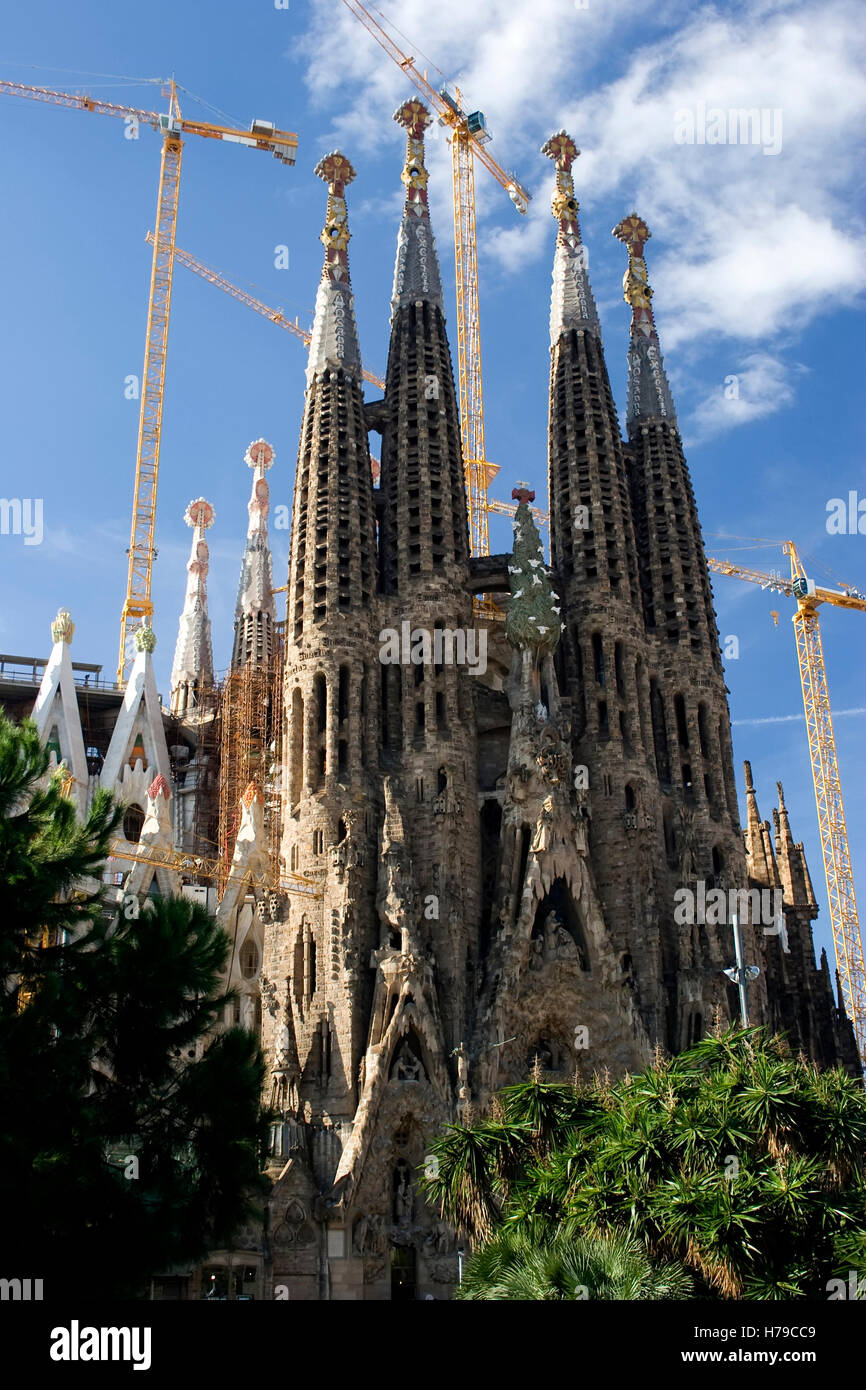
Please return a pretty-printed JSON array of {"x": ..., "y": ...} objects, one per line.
[{"x": 131, "y": 1141}]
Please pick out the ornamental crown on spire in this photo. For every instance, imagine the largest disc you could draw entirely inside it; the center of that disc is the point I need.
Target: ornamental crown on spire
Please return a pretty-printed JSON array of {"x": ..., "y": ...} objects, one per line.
[
  {"x": 563, "y": 151},
  {"x": 334, "y": 339},
  {"x": 414, "y": 117},
  {"x": 572, "y": 305},
  {"x": 336, "y": 171},
  {"x": 634, "y": 233},
  {"x": 649, "y": 394}
]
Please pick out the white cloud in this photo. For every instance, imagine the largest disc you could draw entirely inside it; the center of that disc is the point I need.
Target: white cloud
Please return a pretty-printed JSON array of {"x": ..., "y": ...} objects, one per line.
[
  {"x": 747, "y": 245},
  {"x": 761, "y": 385}
]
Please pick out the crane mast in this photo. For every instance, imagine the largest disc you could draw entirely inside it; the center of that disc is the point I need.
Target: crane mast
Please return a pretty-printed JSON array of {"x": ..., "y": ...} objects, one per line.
[
  {"x": 832, "y": 826},
  {"x": 262, "y": 135}
]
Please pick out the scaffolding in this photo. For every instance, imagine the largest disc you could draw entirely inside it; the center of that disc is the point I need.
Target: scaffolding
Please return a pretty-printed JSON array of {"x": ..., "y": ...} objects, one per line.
[{"x": 251, "y": 736}]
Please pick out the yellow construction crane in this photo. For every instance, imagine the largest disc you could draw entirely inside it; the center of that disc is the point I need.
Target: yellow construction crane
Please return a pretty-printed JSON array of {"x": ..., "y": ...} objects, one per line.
[
  {"x": 262, "y": 135},
  {"x": 825, "y": 766},
  {"x": 244, "y": 297},
  {"x": 215, "y": 277},
  {"x": 469, "y": 138},
  {"x": 198, "y": 867}
]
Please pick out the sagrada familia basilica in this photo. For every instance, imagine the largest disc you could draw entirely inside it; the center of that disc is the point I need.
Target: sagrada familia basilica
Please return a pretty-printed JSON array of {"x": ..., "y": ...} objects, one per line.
[{"x": 438, "y": 873}]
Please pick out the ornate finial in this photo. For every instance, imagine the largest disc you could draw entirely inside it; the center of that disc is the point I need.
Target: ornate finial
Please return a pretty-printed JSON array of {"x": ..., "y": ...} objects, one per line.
[
  {"x": 649, "y": 394},
  {"x": 252, "y": 792},
  {"x": 334, "y": 339},
  {"x": 414, "y": 116},
  {"x": 522, "y": 494},
  {"x": 260, "y": 454},
  {"x": 780, "y": 790},
  {"x": 63, "y": 628},
  {"x": 572, "y": 305},
  {"x": 159, "y": 787},
  {"x": 67, "y": 781},
  {"x": 747, "y": 768},
  {"x": 563, "y": 151},
  {"x": 336, "y": 171},
  {"x": 634, "y": 233},
  {"x": 199, "y": 513},
  {"x": 145, "y": 639},
  {"x": 416, "y": 274}
]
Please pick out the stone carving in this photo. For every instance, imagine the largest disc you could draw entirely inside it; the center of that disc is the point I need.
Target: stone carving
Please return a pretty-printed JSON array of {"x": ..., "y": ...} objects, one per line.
[
  {"x": 269, "y": 996},
  {"x": 543, "y": 835},
  {"x": 370, "y": 1238},
  {"x": 374, "y": 1270},
  {"x": 295, "y": 1228},
  {"x": 439, "y": 1240},
  {"x": 404, "y": 1200},
  {"x": 407, "y": 1066}
]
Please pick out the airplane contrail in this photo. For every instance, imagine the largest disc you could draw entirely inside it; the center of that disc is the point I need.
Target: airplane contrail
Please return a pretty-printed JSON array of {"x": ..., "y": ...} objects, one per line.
[{"x": 792, "y": 718}]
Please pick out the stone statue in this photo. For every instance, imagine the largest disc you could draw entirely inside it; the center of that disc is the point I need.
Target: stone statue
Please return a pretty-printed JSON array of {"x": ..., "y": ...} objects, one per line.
[
  {"x": 369, "y": 1234},
  {"x": 247, "y": 1012},
  {"x": 536, "y": 959},
  {"x": 407, "y": 1066},
  {"x": 543, "y": 836},
  {"x": 439, "y": 1240},
  {"x": 403, "y": 1199},
  {"x": 552, "y": 923}
]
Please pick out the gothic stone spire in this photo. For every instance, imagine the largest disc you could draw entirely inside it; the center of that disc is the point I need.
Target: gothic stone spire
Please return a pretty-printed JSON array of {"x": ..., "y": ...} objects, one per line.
[
  {"x": 416, "y": 272},
  {"x": 649, "y": 395},
  {"x": 193, "y": 659},
  {"x": 334, "y": 339},
  {"x": 572, "y": 304},
  {"x": 254, "y": 612}
]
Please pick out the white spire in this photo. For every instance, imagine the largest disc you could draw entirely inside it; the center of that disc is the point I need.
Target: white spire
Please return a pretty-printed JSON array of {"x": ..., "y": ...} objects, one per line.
[
  {"x": 416, "y": 273},
  {"x": 193, "y": 658},
  {"x": 254, "y": 612},
  {"x": 56, "y": 711},
  {"x": 138, "y": 750},
  {"x": 334, "y": 339},
  {"x": 572, "y": 304}
]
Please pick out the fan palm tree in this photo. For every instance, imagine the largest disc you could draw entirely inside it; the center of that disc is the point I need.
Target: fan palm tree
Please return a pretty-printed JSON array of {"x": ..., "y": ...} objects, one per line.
[{"x": 516, "y": 1266}]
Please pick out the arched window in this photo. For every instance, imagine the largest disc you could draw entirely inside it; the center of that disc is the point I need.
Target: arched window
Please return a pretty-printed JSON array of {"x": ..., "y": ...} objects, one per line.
[
  {"x": 133, "y": 823},
  {"x": 248, "y": 960}
]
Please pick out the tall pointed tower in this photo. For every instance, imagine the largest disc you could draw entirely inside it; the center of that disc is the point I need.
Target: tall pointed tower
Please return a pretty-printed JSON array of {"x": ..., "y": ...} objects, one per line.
[
  {"x": 251, "y": 697},
  {"x": 427, "y": 696},
  {"x": 603, "y": 662},
  {"x": 801, "y": 1003},
  {"x": 254, "y": 612},
  {"x": 318, "y": 960},
  {"x": 192, "y": 669},
  {"x": 692, "y": 759}
]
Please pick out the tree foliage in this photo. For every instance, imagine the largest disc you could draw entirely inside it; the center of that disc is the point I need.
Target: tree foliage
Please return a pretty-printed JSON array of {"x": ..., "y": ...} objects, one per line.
[
  {"x": 128, "y": 1144},
  {"x": 518, "y": 1266},
  {"x": 734, "y": 1158}
]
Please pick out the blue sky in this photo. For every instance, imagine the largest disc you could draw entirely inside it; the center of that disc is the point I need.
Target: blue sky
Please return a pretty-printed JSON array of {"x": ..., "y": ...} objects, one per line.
[{"x": 755, "y": 259}]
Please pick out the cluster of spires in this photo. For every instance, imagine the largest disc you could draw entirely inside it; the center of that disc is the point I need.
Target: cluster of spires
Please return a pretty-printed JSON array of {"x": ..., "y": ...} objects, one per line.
[
  {"x": 192, "y": 670},
  {"x": 334, "y": 344}
]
